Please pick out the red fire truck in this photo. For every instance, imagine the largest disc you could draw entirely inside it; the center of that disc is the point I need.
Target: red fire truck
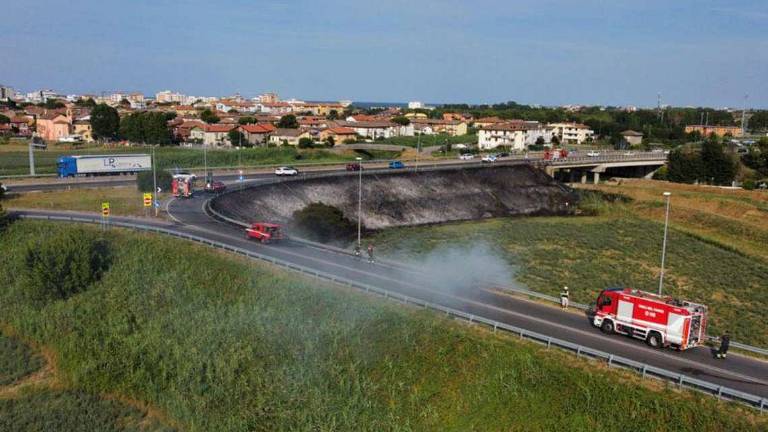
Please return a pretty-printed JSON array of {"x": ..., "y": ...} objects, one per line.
[
  {"x": 181, "y": 187},
  {"x": 264, "y": 232},
  {"x": 659, "y": 320},
  {"x": 555, "y": 154}
]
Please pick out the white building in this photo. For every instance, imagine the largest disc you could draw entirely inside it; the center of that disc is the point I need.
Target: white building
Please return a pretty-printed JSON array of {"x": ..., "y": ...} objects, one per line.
[
  {"x": 572, "y": 133},
  {"x": 415, "y": 105},
  {"x": 377, "y": 129},
  {"x": 7, "y": 93},
  {"x": 516, "y": 135},
  {"x": 168, "y": 96}
]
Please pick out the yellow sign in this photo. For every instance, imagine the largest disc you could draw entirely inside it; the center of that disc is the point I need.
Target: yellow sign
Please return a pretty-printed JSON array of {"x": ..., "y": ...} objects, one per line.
[
  {"x": 105, "y": 209},
  {"x": 147, "y": 200}
]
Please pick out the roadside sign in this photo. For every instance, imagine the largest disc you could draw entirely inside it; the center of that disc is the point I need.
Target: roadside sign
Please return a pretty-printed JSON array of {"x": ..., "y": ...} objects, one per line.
[
  {"x": 105, "y": 209},
  {"x": 147, "y": 200},
  {"x": 157, "y": 204}
]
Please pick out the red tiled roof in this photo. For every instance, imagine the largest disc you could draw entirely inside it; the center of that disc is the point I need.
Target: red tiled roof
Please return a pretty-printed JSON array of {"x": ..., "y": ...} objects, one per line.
[
  {"x": 258, "y": 128},
  {"x": 218, "y": 127},
  {"x": 340, "y": 130}
]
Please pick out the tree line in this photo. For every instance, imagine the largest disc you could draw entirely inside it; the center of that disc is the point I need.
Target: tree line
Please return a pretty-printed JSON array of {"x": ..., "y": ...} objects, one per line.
[{"x": 143, "y": 126}]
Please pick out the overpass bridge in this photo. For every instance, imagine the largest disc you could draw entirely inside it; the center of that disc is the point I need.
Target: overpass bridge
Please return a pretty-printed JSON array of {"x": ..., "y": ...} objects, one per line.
[{"x": 579, "y": 167}]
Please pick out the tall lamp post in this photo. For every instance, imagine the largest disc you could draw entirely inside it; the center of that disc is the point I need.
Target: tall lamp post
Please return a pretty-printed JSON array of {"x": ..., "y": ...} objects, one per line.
[
  {"x": 154, "y": 183},
  {"x": 664, "y": 244},
  {"x": 359, "y": 201}
]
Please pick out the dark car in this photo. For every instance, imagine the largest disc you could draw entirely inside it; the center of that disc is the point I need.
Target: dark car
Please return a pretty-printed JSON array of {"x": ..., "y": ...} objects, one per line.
[
  {"x": 396, "y": 164},
  {"x": 503, "y": 154},
  {"x": 353, "y": 167},
  {"x": 215, "y": 186}
]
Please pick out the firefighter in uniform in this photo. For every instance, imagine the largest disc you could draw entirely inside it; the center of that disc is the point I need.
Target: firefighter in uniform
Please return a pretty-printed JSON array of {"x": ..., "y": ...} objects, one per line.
[
  {"x": 725, "y": 342},
  {"x": 370, "y": 253},
  {"x": 564, "y": 296}
]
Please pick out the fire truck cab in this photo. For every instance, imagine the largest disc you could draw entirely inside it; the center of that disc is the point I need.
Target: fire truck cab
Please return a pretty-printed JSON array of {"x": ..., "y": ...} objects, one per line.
[
  {"x": 264, "y": 232},
  {"x": 659, "y": 320},
  {"x": 181, "y": 187}
]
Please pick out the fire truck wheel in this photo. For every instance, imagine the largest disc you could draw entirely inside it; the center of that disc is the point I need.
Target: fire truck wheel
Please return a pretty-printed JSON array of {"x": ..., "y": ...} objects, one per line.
[
  {"x": 654, "y": 340},
  {"x": 607, "y": 327}
]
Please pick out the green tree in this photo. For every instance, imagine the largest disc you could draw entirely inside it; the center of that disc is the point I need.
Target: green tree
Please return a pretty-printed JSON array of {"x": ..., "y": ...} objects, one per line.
[
  {"x": 209, "y": 117},
  {"x": 306, "y": 143},
  {"x": 288, "y": 121},
  {"x": 333, "y": 115},
  {"x": 148, "y": 127},
  {"x": 324, "y": 223},
  {"x": 65, "y": 264},
  {"x": 719, "y": 167},
  {"x": 684, "y": 165},
  {"x": 105, "y": 122},
  {"x": 759, "y": 121},
  {"x": 237, "y": 138},
  {"x": 401, "y": 120},
  {"x": 53, "y": 104},
  {"x": 4, "y": 119},
  {"x": 330, "y": 141},
  {"x": 246, "y": 120},
  {"x": 125, "y": 103},
  {"x": 88, "y": 103}
]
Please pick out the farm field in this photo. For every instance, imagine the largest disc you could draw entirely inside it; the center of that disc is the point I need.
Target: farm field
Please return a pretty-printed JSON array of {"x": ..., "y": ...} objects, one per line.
[
  {"x": 621, "y": 246},
  {"x": 213, "y": 342}
]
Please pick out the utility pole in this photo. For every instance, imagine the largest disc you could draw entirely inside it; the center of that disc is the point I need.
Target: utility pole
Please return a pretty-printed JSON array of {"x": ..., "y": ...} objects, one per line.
[
  {"x": 32, "y": 156},
  {"x": 664, "y": 244},
  {"x": 744, "y": 116},
  {"x": 154, "y": 183},
  {"x": 359, "y": 201}
]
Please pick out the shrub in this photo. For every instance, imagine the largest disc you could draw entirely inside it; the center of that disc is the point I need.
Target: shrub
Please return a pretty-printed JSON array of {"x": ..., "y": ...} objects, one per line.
[
  {"x": 324, "y": 223},
  {"x": 748, "y": 184},
  {"x": 305, "y": 143},
  {"x": 661, "y": 173},
  {"x": 144, "y": 181},
  {"x": 64, "y": 265}
]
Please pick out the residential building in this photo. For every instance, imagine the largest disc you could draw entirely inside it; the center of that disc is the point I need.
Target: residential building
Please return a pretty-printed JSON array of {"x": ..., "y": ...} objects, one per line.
[
  {"x": 53, "y": 125},
  {"x": 572, "y": 133},
  {"x": 376, "y": 129},
  {"x": 277, "y": 108},
  {"x": 258, "y": 133},
  {"x": 20, "y": 126},
  {"x": 267, "y": 98},
  {"x": 168, "y": 96},
  {"x": 515, "y": 135},
  {"x": 632, "y": 137},
  {"x": 489, "y": 121},
  {"x": 288, "y": 136},
  {"x": 340, "y": 134},
  {"x": 439, "y": 126},
  {"x": 7, "y": 93},
  {"x": 185, "y": 110},
  {"x": 415, "y": 105},
  {"x": 215, "y": 135},
  {"x": 82, "y": 127},
  {"x": 707, "y": 130}
]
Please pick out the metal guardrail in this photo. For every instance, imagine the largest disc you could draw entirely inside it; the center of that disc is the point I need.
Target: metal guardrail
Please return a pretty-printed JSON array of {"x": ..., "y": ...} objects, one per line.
[{"x": 646, "y": 371}]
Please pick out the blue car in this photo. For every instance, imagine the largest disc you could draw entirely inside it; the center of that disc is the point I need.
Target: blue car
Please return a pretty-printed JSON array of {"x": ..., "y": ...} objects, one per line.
[{"x": 396, "y": 164}]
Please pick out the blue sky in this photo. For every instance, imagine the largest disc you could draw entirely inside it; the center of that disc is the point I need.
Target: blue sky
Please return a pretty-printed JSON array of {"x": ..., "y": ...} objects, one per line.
[{"x": 547, "y": 51}]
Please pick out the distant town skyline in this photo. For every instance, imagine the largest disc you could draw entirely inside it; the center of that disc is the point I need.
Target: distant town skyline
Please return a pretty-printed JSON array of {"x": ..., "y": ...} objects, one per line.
[{"x": 695, "y": 53}]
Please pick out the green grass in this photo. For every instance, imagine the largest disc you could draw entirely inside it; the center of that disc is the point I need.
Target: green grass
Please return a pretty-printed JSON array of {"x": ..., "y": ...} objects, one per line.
[
  {"x": 71, "y": 411},
  {"x": 218, "y": 343},
  {"x": 591, "y": 253},
  {"x": 17, "y": 360},
  {"x": 17, "y": 162},
  {"x": 429, "y": 140}
]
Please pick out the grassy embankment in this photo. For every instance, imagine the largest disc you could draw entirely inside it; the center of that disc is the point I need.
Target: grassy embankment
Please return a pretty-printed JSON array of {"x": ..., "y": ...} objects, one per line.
[
  {"x": 429, "y": 140},
  {"x": 123, "y": 201},
  {"x": 218, "y": 343},
  {"x": 712, "y": 257}
]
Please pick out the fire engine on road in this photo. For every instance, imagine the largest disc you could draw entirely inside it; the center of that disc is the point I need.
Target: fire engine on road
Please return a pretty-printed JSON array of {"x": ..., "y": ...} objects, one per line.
[{"x": 659, "y": 320}]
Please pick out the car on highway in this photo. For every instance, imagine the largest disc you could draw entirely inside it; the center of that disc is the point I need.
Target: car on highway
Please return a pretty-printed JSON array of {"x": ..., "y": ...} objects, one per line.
[
  {"x": 629, "y": 153},
  {"x": 467, "y": 156},
  {"x": 489, "y": 158},
  {"x": 215, "y": 186},
  {"x": 502, "y": 155},
  {"x": 286, "y": 171},
  {"x": 353, "y": 166},
  {"x": 396, "y": 164},
  {"x": 593, "y": 153}
]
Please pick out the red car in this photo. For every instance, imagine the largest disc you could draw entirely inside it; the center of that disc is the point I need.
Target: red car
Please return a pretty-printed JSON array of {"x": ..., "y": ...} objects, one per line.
[
  {"x": 216, "y": 186},
  {"x": 353, "y": 167},
  {"x": 264, "y": 232}
]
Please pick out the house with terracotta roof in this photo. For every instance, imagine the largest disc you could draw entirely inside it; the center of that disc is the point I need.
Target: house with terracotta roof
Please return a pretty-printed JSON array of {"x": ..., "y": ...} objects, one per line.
[
  {"x": 340, "y": 134},
  {"x": 215, "y": 135},
  {"x": 288, "y": 136},
  {"x": 439, "y": 126},
  {"x": 376, "y": 129},
  {"x": 488, "y": 121},
  {"x": 258, "y": 133},
  {"x": 82, "y": 126},
  {"x": 514, "y": 135},
  {"x": 53, "y": 125},
  {"x": 632, "y": 137},
  {"x": 20, "y": 126}
]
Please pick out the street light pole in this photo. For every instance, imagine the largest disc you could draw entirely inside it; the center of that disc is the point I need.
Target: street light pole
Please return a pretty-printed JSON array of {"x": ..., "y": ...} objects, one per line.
[
  {"x": 664, "y": 244},
  {"x": 154, "y": 182},
  {"x": 359, "y": 201}
]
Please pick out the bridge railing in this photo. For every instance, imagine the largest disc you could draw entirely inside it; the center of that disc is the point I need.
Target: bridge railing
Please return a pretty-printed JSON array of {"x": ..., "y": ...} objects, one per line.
[{"x": 645, "y": 370}]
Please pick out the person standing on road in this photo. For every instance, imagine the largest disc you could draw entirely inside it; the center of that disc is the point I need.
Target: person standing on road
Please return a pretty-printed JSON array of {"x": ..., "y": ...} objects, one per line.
[
  {"x": 725, "y": 342},
  {"x": 357, "y": 250},
  {"x": 370, "y": 253},
  {"x": 564, "y": 297}
]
